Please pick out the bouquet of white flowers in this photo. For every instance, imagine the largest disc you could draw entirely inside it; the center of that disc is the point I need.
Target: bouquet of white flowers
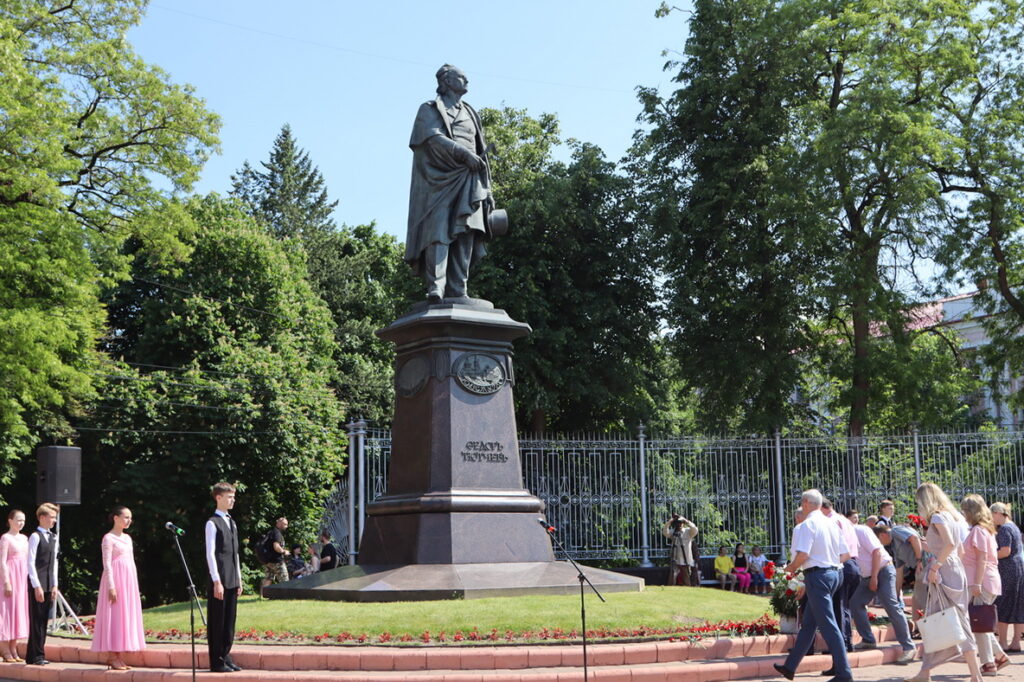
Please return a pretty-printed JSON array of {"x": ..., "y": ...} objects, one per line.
[{"x": 786, "y": 588}]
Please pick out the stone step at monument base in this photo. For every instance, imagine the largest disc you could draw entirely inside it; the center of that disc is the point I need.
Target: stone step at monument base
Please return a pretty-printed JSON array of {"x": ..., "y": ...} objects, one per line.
[
  {"x": 710, "y": 661},
  {"x": 420, "y": 582}
]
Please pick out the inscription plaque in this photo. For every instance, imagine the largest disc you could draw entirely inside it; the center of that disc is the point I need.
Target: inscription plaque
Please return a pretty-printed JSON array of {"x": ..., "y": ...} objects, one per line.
[{"x": 489, "y": 452}]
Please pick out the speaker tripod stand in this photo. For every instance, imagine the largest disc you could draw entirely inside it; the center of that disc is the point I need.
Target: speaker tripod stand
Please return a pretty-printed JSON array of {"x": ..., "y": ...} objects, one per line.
[{"x": 62, "y": 616}]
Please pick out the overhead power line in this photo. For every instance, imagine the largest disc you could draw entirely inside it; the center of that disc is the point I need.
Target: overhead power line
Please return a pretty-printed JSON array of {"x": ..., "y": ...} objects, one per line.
[
  {"x": 183, "y": 433},
  {"x": 197, "y": 406},
  {"x": 150, "y": 377},
  {"x": 384, "y": 57},
  {"x": 325, "y": 392},
  {"x": 188, "y": 369},
  {"x": 183, "y": 290}
]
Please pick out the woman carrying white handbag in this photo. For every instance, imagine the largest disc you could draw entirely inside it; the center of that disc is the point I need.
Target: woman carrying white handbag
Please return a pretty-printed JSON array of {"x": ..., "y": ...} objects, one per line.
[{"x": 948, "y": 597}]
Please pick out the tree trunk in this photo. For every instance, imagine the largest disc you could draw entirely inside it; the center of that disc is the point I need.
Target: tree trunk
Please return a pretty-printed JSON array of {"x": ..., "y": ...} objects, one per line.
[
  {"x": 865, "y": 253},
  {"x": 861, "y": 379},
  {"x": 538, "y": 418}
]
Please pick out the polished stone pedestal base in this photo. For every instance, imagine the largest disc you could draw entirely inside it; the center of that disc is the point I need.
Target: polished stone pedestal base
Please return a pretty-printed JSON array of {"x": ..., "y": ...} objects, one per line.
[
  {"x": 455, "y": 487},
  {"x": 422, "y": 582},
  {"x": 456, "y": 521}
]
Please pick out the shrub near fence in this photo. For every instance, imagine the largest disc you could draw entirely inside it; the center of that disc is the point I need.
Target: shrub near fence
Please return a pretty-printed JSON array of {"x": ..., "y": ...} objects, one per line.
[{"x": 734, "y": 489}]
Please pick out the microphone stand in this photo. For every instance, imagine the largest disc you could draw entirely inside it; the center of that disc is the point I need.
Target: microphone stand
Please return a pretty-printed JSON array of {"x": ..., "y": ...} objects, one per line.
[
  {"x": 192, "y": 604},
  {"x": 550, "y": 530}
]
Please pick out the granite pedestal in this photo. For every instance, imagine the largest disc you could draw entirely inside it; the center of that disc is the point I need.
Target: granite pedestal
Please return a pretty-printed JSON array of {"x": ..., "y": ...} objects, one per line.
[{"x": 456, "y": 521}]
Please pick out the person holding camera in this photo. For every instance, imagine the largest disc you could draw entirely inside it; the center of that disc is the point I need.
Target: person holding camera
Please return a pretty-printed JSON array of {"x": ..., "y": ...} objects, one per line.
[
  {"x": 681, "y": 532},
  {"x": 272, "y": 554}
]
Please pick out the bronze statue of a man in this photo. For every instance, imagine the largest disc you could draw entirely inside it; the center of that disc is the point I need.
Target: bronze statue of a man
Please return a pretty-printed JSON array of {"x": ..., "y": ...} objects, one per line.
[{"x": 450, "y": 196}]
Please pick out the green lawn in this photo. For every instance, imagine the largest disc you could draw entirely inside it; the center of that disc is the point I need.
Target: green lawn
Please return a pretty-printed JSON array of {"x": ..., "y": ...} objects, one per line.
[{"x": 655, "y": 607}]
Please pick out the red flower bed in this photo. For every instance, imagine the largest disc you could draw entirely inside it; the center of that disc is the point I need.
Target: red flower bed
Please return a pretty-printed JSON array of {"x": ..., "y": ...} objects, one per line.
[{"x": 765, "y": 625}]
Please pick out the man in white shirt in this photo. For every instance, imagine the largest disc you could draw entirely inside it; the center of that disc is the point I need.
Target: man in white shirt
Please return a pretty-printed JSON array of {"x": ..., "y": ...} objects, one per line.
[
  {"x": 878, "y": 577},
  {"x": 851, "y": 574},
  {"x": 819, "y": 549}
]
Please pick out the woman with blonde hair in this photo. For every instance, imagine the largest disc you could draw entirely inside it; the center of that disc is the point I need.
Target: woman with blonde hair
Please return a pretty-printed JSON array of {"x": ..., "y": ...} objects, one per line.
[
  {"x": 947, "y": 530},
  {"x": 1010, "y": 604},
  {"x": 982, "y": 570}
]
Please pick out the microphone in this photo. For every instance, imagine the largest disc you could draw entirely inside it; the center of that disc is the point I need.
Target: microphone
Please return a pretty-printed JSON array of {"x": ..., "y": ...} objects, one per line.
[
  {"x": 174, "y": 529},
  {"x": 548, "y": 527}
]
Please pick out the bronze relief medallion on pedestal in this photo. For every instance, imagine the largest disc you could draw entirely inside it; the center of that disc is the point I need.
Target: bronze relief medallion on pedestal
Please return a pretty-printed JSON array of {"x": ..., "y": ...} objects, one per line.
[{"x": 479, "y": 373}]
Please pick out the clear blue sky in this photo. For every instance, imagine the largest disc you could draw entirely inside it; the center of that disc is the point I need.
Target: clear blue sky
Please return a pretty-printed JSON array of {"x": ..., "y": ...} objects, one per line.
[{"x": 348, "y": 76}]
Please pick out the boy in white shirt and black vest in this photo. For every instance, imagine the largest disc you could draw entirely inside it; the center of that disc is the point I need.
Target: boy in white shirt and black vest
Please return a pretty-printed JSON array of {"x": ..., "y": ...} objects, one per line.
[
  {"x": 225, "y": 579},
  {"x": 42, "y": 579}
]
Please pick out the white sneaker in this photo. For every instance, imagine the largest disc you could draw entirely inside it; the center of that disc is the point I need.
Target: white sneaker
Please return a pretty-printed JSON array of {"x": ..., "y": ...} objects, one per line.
[{"x": 907, "y": 657}]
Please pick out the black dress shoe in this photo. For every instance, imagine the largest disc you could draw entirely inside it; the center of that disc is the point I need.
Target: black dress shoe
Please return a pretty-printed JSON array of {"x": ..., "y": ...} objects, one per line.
[
  {"x": 234, "y": 666},
  {"x": 39, "y": 661},
  {"x": 829, "y": 673},
  {"x": 222, "y": 669},
  {"x": 783, "y": 670}
]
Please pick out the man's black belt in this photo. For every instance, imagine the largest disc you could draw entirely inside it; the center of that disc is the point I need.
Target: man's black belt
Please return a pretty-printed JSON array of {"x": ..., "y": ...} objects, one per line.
[{"x": 821, "y": 568}]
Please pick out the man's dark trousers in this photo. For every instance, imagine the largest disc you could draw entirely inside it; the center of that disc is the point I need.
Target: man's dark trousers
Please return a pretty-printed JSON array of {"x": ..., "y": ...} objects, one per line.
[
  {"x": 38, "y": 616},
  {"x": 821, "y": 585},
  {"x": 841, "y": 603},
  {"x": 850, "y": 579},
  {"x": 220, "y": 626}
]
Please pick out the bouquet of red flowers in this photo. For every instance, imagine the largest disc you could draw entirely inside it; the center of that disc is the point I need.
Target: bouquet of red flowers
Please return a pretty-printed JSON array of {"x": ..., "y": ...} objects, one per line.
[
  {"x": 917, "y": 522},
  {"x": 769, "y": 569}
]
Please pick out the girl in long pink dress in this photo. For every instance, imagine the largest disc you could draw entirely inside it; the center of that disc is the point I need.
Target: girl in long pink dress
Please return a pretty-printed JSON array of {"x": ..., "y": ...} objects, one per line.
[
  {"x": 14, "y": 586},
  {"x": 119, "y": 606}
]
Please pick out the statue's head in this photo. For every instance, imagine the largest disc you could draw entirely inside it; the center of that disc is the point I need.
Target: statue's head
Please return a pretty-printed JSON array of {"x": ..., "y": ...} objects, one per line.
[{"x": 451, "y": 79}]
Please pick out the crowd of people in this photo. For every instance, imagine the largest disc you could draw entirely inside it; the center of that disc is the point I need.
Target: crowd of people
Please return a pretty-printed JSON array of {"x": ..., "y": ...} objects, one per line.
[
  {"x": 954, "y": 556},
  {"x": 969, "y": 554},
  {"x": 28, "y": 576}
]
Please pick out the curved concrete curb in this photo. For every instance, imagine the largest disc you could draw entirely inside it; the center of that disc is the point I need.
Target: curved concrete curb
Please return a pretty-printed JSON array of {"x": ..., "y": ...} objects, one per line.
[{"x": 708, "y": 661}]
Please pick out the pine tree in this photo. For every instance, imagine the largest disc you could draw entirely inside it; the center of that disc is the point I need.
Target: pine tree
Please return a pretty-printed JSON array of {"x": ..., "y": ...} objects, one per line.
[{"x": 289, "y": 195}]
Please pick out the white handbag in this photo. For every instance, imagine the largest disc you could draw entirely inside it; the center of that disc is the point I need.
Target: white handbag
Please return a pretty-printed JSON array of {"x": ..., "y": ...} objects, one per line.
[{"x": 941, "y": 629}]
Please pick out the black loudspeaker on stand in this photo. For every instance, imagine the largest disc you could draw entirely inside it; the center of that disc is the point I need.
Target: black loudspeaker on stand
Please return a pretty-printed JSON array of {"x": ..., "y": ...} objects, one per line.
[
  {"x": 59, "y": 481},
  {"x": 583, "y": 579},
  {"x": 193, "y": 597},
  {"x": 58, "y": 474}
]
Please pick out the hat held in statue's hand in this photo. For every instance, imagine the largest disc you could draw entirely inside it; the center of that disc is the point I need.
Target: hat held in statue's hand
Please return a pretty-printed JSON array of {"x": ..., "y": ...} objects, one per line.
[{"x": 497, "y": 222}]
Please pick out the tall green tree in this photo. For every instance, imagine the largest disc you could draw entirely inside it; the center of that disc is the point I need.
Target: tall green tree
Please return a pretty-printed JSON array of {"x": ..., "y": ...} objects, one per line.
[
  {"x": 224, "y": 369},
  {"x": 576, "y": 267},
  {"x": 91, "y": 137},
  {"x": 981, "y": 99},
  {"x": 358, "y": 270},
  {"x": 739, "y": 245},
  {"x": 832, "y": 112}
]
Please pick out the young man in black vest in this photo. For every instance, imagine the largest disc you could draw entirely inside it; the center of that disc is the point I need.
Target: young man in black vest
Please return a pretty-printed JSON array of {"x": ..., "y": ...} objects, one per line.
[
  {"x": 42, "y": 579},
  {"x": 225, "y": 579}
]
